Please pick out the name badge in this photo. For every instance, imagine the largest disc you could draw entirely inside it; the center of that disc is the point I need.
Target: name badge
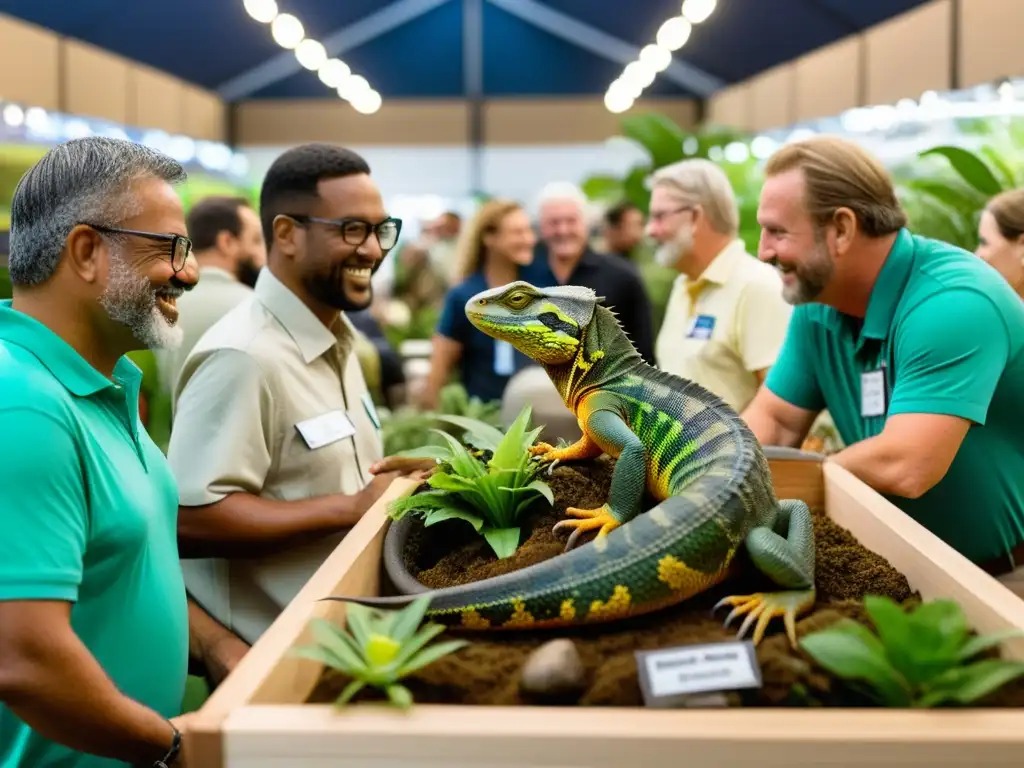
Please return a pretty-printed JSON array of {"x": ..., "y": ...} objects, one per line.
[
  {"x": 326, "y": 429},
  {"x": 702, "y": 327},
  {"x": 872, "y": 393},
  {"x": 676, "y": 676},
  {"x": 504, "y": 358},
  {"x": 371, "y": 409}
]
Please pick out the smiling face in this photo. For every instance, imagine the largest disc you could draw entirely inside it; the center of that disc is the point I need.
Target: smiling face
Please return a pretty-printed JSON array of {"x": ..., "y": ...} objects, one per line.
[
  {"x": 1006, "y": 255},
  {"x": 513, "y": 238},
  {"x": 545, "y": 325},
  {"x": 137, "y": 286},
  {"x": 563, "y": 228},
  {"x": 335, "y": 262},
  {"x": 790, "y": 241}
]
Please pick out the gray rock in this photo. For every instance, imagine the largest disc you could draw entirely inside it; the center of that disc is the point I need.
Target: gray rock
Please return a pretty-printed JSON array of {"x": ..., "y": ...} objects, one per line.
[{"x": 554, "y": 670}]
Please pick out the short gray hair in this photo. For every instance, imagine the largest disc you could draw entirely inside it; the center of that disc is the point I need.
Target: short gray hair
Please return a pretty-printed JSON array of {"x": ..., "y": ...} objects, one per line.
[
  {"x": 80, "y": 181},
  {"x": 700, "y": 181}
]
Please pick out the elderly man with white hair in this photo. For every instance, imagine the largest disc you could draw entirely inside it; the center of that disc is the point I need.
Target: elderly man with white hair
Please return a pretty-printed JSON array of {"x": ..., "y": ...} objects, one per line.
[
  {"x": 564, "y": 257},
  {"x": 726, "y": 318}
]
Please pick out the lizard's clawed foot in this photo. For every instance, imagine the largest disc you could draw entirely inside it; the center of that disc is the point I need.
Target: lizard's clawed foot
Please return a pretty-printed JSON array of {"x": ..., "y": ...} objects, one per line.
[
  {"x": 541, "y": 449},
  {"x": 765, "y": 606},
  {"x": 601, "y": 518}
]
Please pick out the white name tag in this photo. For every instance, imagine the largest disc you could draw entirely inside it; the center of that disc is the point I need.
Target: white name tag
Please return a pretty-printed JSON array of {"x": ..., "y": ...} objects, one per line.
[
  {"x": 671, "y": 675},
  {"x": 326, "y": 429},
  {"x": 504, "y": 358},
  {"x": 872, "y": 393}
]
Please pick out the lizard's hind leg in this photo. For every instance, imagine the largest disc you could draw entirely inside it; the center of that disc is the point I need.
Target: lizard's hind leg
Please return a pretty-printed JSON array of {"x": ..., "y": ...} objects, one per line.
[{"x": 785, "y": 553}]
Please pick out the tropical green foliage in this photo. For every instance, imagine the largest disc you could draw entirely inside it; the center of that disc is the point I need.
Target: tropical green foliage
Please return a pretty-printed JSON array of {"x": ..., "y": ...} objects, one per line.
[
  {"x": 408, "y": 427},
  {"x": 491, "y": 488},
  {"x": 919, "y": 658},
  {"x": 666, "y": 143},
  {"x": 382, "y": 648}
]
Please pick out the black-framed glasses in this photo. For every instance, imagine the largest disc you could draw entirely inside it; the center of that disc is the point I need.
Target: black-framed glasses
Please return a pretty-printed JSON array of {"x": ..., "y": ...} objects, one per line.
[
  {"x": 659, "y": 215},
  {"x": 356, "y": 231},
  {"x": 181, "y": 246}
]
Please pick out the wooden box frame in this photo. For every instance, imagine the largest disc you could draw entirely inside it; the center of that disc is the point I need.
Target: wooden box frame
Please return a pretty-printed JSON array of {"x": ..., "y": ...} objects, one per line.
[{"x": 256, "y": 718}]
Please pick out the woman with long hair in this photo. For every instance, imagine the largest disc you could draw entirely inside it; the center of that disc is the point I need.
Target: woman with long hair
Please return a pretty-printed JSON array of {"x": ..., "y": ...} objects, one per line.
[
  {"x": 1001, "y": 237},
  {"x": 492, "y": 248}
]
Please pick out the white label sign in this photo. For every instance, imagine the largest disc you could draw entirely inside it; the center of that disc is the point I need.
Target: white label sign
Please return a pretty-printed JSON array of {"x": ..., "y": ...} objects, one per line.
[
  {"x": 872, "y": 394},
  {"x": 678, "y": 672},
  {"x": 326, "y": 429}
]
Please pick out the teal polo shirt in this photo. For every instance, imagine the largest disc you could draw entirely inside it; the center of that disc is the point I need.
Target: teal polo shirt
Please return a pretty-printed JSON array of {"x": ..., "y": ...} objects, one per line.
[
  {"x": 948, "y": 332},
  {"x": 88, "y": 515}
]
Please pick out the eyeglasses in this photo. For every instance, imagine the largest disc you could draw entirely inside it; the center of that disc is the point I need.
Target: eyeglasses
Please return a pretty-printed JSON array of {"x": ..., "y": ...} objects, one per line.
[
  {"x": 659, "y": 215},
  {"x": 181, "y": 246},
  {"x": 356, "y": 231}
]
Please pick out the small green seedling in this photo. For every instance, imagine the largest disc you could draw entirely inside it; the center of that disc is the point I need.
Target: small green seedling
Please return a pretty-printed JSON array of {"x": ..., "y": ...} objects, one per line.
[
  {"x": 384, "y": 646},
  {"x": 918, "y": 658},
  {"x": 490, "y": 494}
]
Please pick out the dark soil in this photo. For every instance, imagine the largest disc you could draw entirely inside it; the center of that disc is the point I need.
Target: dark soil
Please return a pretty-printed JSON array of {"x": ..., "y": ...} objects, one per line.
[{"x": 487, "y": 671}]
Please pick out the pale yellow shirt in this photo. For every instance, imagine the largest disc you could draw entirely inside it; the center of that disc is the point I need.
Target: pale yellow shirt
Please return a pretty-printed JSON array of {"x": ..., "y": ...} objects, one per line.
[
  {"x": 264, "y": 374},
  {"x": 735, "y": 326},
  {"x": 216, "y": 293}
]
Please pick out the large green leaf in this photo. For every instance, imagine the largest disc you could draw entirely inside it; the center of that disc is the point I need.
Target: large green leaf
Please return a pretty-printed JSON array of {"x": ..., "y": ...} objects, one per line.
[
  {"x": 970, "y": 166},
  {"x": 939, "y": 629},
  {"x": 635, "y": 186},
  {"x": 426, "y": 633},
  {"x": 603, "y": 188},
  {"x": 453, "y": 513},
  {"x": 483, "y": 435},
  {"x": 504, "y": 541},
  {"x": 895, "y": 630},
  {"x": 512, "y": 446},
  {"x": 657, "y": 134},
  {"x": 850, "y": 651},
  {"x": 536, "y": 486},
  {"x": 976, "y": 645},
  {"x": 966, "y": 684}
]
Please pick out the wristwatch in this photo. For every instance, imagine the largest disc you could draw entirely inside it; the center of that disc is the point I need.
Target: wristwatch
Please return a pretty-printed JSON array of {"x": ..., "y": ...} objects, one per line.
[{"x": 172, "y": 753}]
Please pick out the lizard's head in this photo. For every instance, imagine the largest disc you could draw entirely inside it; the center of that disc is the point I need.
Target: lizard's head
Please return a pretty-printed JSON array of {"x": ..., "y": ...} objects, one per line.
[{"x": 546, "y": 324}]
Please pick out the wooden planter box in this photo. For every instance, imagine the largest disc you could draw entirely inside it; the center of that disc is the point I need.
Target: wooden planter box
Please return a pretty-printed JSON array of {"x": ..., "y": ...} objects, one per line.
[{"x": 257, "y": 719}]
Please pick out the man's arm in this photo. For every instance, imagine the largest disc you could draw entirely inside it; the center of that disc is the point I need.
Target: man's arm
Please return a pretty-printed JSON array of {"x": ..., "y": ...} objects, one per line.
[
  {"x": 777, "y": 422},
  {"x": 221, "y": 451},
  {"x": 218, "y": 648},
  {"x": 48, "y": 678},
  {"x": 946, "y": 374},
  {"x": 785, "y": 407}
]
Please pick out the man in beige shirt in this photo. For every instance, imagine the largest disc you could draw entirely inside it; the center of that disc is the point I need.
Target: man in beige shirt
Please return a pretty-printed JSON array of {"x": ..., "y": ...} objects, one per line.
[
  {"x": 228, "y": 244},
  {"x": 276, "y": 445},
  {"x": 726, "y": 318}
]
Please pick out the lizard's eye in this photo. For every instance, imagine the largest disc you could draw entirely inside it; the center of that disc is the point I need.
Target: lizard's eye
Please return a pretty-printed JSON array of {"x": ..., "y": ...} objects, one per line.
[
  {"x": 481, "y": 302},
  {"x": 517, "y": 300}
]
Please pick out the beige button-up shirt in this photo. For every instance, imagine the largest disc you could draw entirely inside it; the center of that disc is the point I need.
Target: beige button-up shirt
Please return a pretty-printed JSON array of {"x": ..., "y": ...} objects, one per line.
[
  {"x": 271, "y": 403},
  {"x": 726, "y": 325}
]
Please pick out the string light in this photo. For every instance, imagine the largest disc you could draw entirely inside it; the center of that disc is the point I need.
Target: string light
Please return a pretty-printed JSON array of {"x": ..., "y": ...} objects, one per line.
[
  {"x": 288, "y": 32},
  {"x": 656, "y": 57}
]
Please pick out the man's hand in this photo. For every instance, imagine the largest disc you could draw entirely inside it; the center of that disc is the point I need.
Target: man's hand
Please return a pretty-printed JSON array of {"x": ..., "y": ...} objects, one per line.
[
  {"x": 222, "y": 658},
  {"x": 417, "y": 469},
  {"x": 182, "y": 723},
  {"x": 218, "y": 648}
]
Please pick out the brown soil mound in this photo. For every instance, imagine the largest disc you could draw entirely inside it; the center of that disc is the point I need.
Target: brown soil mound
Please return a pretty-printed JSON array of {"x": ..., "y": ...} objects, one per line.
[{"x": 487, "y": 671}]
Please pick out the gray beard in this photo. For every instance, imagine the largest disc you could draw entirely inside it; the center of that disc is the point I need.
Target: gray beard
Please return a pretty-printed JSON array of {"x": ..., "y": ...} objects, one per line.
[
  {"x": 811, "y": 279},
  {"x": 130, "y": 299}
]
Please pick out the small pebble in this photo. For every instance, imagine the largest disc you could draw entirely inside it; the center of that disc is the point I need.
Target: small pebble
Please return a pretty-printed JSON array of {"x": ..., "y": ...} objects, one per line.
[{"x": 554, "y": 670}]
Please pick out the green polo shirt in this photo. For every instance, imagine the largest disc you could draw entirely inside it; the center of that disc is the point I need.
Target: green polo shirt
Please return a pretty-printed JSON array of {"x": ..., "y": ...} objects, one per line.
[
  {"x": 948, "y": 332},
  {"x": 88, "y": 515}
]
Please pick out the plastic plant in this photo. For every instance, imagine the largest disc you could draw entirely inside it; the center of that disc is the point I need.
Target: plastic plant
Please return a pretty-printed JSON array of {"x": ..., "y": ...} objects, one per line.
[
  {"x": 490, "y": 488},
  {"x": 919, "y": 658},
  {"x": 383, "y": 647}
]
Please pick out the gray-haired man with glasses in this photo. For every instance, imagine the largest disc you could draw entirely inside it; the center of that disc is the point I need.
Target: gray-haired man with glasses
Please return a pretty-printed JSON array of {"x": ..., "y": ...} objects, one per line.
[{"x": 276, "y": 442}]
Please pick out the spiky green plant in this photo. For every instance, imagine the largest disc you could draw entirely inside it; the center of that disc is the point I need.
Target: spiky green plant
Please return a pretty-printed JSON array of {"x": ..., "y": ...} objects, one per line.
[
  {"x": 491, "y": 488},
  {"x": 383, "y": 647}
]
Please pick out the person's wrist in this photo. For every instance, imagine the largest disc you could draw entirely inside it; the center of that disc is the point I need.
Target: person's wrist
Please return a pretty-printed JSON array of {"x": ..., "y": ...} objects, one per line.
[{"x": 169, "y": 757}]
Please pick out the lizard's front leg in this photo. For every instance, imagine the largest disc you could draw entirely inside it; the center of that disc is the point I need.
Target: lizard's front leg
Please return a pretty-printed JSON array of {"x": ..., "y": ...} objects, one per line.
[
  {"x": 614, "y": 437},
  {"x": 583, "y": 449}
]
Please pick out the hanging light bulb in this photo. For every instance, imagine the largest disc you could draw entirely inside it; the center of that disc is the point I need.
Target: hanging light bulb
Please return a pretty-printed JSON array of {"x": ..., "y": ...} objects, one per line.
[
  {"x": 674, "y": 33},
  {"x": 263, "y": 11},
  {"x": 697, "y": 11},
  {"x": 311, "y": 54},
  {"x": 287, "y": 30}
]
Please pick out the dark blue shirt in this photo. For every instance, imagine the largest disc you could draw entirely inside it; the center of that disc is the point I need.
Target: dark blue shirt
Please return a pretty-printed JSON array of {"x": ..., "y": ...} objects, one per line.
[{"x": 486, "y": 364}]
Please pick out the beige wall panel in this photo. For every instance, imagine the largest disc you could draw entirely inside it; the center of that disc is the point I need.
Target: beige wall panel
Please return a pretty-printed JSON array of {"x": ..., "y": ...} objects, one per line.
[
  {"x": 155, "y": 101},
  {"x": 286, "y": 121},
  {"x": 732, "y": 107},
  {"x": 909, "y": 54},
  {"x": 203, "y": 115},
  {"x": 569, "y": 121},
  {"x": 37, "y": 85},
  {"x": 772, "y": 98},
  {"x": 96, "y": 83},
  {"x": 828, "y": 79},
  {"x": 990, "y": 40}
]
